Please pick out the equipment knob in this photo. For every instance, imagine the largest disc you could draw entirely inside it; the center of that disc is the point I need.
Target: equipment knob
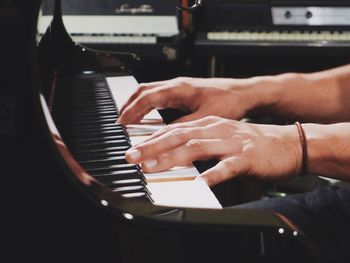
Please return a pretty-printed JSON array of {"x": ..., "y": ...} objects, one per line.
[
  {"x": 308, "y": 14},
  {"x": 288, "y": 14}
]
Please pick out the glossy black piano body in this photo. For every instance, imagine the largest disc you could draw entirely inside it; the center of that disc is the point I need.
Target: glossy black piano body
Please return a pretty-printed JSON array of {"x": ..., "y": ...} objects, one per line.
[{"x": 77, "y": 218}]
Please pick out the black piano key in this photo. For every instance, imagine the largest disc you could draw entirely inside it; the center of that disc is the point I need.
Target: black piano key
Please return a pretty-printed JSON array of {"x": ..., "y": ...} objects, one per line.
[
  {"x": 102, "y": 164},
  {"x": 90, "y": 135},
  {"x": 87, "y": 119},
  {"x": 139, "y": 195},
  {"x": 91, "y": 93},
  {"x": 98, "y": 138},
  {"x": 78, "y": 149},
  {"x": 93, "y": 102},
  {"x": 88, "y": 125},
  {"x": 117, "y": 169},
  {"x": 95, "y": 109},
  {"x": 97, "y": 146},
  {"x": 103, "y": 154},
  {"x": 97, "y": 151},
  {"x": 109, "y": 120},
  {"x": 130, "y": 189},
  {"x": 91, "y": 129},
  {"x": 123, "y": 182},
  {"x": 104, "y": 161},
  {"x": 94, "y": 114},
  {"x": 109, "y": 175}
]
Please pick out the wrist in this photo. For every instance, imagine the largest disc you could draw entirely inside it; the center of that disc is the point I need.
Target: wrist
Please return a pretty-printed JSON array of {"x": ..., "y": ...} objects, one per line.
[
  {"x": 258, "y": 95},
  {"x": 328, "y": 152}
]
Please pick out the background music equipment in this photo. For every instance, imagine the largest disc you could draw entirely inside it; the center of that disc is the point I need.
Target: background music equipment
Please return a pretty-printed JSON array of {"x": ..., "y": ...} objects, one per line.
[
  {"x": 308, "y": 35},
  {"x": 149, "y": 28}
]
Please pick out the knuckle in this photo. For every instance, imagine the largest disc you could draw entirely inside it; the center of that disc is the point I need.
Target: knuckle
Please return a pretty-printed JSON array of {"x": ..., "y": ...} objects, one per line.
[
  {"x": 181, "y": 78},
  {"x": 227, "y": 166},
  {"x": 146, "y": 97},
  {"x": 182, "y": 81},
  {"x": 212, "y": 118},
  {"x": 149, "y": 148},
  {"x": 225, "y": 127},
  {"x": 142, "y": 87},
  {"x": 152, "y": 97},
  {"x": 195, "y": 145},
  {"x": 168, "y": 128},
  {"x": 179, "y": 134}
]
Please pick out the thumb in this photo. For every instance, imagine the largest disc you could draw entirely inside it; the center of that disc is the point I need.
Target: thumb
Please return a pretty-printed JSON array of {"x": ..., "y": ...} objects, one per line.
[{"x": 224, "y": 170}]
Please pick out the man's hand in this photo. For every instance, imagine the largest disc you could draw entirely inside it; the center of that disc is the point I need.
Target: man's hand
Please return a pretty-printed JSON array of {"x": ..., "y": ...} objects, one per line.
[
  {"x": 199, "y": 97},
  {"x": 265, "y": 151}
]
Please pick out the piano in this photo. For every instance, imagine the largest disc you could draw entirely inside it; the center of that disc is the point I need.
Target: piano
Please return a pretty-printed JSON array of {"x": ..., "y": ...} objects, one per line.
[
  {"x": 87, "y": 203},
  {"x": 273, "y": 24},
  {"x": 310, "y": 35},
  {"x": 154, "y": 30}
]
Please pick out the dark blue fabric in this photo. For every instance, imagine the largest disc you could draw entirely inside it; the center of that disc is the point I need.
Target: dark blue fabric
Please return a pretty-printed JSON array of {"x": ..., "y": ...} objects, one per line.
[{"x": 323, "y": 215}]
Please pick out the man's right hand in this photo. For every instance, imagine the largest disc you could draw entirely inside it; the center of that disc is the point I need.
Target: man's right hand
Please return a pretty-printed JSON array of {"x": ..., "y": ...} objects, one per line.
[{"x": 199, "y": 97}]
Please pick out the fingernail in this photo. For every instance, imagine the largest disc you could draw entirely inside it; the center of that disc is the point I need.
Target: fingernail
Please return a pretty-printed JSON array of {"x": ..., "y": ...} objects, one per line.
[
  {"x": 150, "y": 164},
  {"x": 134, "y": 154}
]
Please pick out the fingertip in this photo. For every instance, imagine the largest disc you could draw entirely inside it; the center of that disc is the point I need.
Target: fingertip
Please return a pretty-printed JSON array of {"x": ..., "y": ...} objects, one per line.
[
  {"x": 132, "y": 155},
  {"x": 209, "y": 176},
  {"x": 124, "y": 119},
  {"x": 202, "y": 178},
  {"x": 121, "y": 121}
]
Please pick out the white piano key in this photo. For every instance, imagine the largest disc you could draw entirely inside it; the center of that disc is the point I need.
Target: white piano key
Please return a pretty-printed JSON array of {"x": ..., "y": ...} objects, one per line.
[
  {"x": 174, "y": 187},
  {"x": 122, "y": 88},
  {"x": 282, "y": 36},
  {"x": 143, "y": 129},
  {"x": 135, "y": 140},
  {"x": 195, "y": 193},
  {"x": 179, "y": 173}
]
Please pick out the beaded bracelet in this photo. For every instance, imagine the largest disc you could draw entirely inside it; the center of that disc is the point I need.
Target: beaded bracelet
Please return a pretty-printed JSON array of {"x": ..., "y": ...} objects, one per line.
[{"x": 303, "y": 143}]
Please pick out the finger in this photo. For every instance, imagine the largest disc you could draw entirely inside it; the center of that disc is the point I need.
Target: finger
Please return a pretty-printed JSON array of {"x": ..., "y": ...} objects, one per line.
[
  {"x": 142, "y": 105},
  {"x": 136, "y": 94},
  {"x": 190, "y": 124},
  {"x": 226, "y": 169},
  {"x": 163, "y": 143},
  {"x": 142, "y": 87},
  {"x": 197, "y": 149}
]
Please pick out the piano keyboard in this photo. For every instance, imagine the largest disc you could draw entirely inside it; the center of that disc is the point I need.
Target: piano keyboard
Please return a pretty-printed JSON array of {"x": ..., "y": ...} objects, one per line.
[
  {"x": 114, "y": 39},
  {"x": 324, "y": 38},
  {"x": 112, "y": 30},
  {"x": 338, "y": 36},
  {"x": 87, "y": 123}
]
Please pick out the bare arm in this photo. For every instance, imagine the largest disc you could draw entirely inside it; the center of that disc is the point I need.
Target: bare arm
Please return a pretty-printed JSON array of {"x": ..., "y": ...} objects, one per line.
[
  {"x": 329, "y": 150},
  {"x": 322, "y": 97}
]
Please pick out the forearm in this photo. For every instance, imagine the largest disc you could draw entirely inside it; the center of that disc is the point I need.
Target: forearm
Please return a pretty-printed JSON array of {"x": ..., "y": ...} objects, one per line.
[
  {"x": 329, "y": 150},
  {"x": 315, "y": 97}
]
